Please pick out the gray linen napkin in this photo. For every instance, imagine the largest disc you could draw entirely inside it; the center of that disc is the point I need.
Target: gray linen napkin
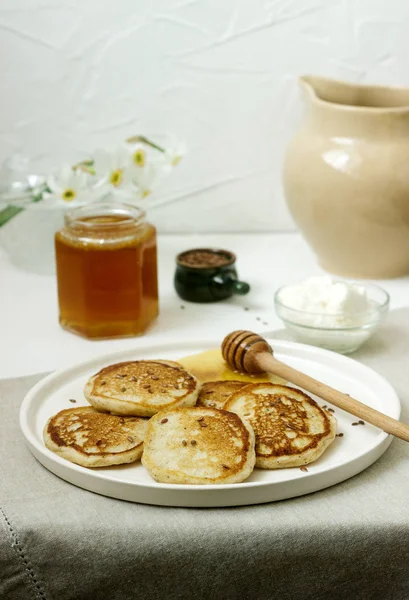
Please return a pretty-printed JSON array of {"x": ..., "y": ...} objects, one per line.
[{"x": 350, "y": 541}]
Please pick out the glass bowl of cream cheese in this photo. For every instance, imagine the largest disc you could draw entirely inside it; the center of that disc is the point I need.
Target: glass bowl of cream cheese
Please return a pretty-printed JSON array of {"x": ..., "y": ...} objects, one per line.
[{"x": 330, "y": 313}]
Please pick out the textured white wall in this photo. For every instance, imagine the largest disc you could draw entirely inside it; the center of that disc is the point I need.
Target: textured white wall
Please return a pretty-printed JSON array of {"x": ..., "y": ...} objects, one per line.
[{"x": 221, "y": 74}]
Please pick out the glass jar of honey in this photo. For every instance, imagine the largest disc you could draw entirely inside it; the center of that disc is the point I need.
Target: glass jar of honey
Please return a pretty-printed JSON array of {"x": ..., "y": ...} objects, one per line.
[{"x": 106, "y": 271}]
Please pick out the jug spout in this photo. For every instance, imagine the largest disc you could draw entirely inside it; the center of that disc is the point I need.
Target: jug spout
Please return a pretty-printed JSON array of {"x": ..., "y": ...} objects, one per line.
[
  {"x": 331, "y": 91},
  {"x": 355, "y": 96},
  {"x": 307, "y": 84}
]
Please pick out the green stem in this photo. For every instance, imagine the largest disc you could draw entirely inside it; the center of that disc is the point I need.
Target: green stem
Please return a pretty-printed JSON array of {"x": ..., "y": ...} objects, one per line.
[
  {"x": 86, "y": 166},
  {"x": 39, "y": 196},
  {"x": 144, "y": 140},
  {"x": 8, "y": 213}
]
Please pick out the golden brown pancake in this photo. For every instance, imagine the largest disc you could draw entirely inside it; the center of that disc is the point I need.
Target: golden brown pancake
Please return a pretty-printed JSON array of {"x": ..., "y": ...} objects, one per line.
[
  {"x": 198, "y": 446},
  {"x": 141, "y": 387},
  {"x": 215, "y": 394},
  {"x": 90, "y": 438},
  {"x": 290, "y": 427}
]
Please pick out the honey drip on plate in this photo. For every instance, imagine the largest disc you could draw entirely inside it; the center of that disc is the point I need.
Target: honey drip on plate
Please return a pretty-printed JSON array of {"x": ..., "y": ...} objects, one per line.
[{"x": 211, "y": 366}]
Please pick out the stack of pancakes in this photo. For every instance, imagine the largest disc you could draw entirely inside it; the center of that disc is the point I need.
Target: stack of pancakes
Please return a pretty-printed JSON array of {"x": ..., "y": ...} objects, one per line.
[{"x": 185, "y": 432}]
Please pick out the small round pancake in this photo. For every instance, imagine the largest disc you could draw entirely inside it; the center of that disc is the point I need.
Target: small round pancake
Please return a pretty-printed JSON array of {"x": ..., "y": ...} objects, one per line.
[
  {"x": 290, "y": 427},
  {"x": 141, "y": 388},
  {"x": 90, "y": 438},
  {"x": 215, "y": 394},
  {"x": 198, "y": 446}
]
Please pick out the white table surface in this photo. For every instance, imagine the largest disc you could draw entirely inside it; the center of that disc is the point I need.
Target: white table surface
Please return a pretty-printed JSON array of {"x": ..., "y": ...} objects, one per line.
[{"x": 32, "y": 341}]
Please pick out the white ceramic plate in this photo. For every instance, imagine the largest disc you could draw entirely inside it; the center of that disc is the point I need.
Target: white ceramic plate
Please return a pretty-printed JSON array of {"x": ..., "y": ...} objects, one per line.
[{"x": 359, "y": 447}]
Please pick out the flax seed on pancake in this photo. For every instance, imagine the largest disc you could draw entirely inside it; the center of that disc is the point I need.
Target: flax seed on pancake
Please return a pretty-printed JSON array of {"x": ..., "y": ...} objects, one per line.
[
  {"x": 198, "y": 445},
  {"x": 290, "y": 427},
  {"x": 91, "y": 438},
  {"x": 216, "y": 393},
  {"x": 141, "y": 388}
]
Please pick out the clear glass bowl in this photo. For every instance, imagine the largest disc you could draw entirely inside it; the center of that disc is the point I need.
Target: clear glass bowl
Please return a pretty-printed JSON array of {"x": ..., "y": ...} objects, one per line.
[{"x": 337, "y": 332}]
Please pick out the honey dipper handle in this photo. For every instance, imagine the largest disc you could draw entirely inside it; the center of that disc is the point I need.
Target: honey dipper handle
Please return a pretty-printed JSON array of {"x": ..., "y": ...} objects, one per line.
[{"x": 268, "y": 363}]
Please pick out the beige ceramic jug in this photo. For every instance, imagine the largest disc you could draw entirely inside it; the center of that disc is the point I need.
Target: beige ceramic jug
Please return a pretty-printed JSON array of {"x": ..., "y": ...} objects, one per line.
[{"x": 346, "y": 177}]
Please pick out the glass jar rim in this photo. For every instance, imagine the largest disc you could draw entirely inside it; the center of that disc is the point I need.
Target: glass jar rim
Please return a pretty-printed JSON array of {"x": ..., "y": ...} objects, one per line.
[{"x": 82, "y": 216}]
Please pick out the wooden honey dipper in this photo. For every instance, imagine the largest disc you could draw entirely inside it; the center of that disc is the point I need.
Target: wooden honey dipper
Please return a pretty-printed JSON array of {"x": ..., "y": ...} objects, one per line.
[{"x": 247, "y": 352}]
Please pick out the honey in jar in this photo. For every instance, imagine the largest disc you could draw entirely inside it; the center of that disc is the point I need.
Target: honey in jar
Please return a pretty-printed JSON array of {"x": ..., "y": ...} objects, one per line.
[{"x": 106, "y": 271}]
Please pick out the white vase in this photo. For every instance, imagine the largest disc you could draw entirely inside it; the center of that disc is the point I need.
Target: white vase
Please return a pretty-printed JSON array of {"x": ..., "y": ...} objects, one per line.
[{"x": 28, "y": 238}]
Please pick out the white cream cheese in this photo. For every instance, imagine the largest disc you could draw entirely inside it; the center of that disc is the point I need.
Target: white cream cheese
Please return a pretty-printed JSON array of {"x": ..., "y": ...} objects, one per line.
[
  {"x": 333, "y": 314},
  {"x": 326, "y": 302}
]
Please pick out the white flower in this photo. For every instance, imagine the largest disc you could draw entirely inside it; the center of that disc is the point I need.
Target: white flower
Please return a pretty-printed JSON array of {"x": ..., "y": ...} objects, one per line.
[
  {"x": 68, "y": 188},
  {"x": 138, "y": 155},
  {"x": 147, "y": 169},
  {"x": 175, "y": 153},
  {"x": 144, "y": 177},
  {"x": 145, "y": 150},
  {"x": 113, "y": 168}
]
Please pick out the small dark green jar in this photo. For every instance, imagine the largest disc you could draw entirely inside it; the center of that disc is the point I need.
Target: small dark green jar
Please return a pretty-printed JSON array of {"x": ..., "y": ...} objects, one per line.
[{"x": 207, "y": 275}]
